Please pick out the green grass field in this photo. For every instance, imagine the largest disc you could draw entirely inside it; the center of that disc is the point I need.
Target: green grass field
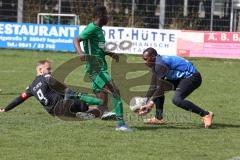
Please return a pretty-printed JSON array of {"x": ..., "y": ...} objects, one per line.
[{"x": 28, "y": 132}]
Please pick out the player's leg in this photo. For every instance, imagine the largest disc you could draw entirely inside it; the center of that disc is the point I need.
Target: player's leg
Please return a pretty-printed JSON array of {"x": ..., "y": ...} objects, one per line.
[
  {"x": 70, "y": 110},
  {"x": 158, "y": 119},
  {"x": 104, "y": 97},
  {"x": 184, "y": 89},
  {"x": 158, "y": 98},
  {"x": 83, "y": 111},
  {"x": 103, "y": 82},
  {"x": 118, "y": 106},
  {"x": 106, "y": 114},
  {"x": 116, "y": 99},
  {"x": 162, "y": 87},
  {"x": 83, "y": 97},
  {"x": 78, "y": 106},
  {"x": 98, "y": 82},
  {"x": 62, "y": 110},
  {"x": 159, "y": 102},
  {"x": 90, "y": 100},
  {"x": 95, "y": 111}
]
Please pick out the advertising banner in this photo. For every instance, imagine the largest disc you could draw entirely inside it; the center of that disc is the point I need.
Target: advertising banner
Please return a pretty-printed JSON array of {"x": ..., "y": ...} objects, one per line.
[
  {"x": 123, "y": 40},
  {"x": 135, "y": 40},
  {"x": 209, "y": 44},
  {"x": 37, "y": 36}
]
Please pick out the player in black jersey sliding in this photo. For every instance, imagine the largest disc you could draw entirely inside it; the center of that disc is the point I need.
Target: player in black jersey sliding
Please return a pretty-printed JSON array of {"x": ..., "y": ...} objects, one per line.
[{"x": 50, "y": 93}]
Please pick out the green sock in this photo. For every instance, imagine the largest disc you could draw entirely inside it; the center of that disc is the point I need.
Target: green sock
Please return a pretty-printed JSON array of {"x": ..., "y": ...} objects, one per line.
[
  {"x": 118, "y": 107},
  {"x": 90, "y": 100}
]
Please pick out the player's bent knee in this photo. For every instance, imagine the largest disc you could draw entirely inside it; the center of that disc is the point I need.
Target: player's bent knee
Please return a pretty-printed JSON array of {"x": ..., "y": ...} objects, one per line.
[{"x": 177, "y": 100}]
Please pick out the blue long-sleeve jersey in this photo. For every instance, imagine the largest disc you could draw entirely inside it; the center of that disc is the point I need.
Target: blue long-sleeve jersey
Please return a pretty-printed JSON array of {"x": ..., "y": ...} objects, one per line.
[{"x": 173, "y": 67}]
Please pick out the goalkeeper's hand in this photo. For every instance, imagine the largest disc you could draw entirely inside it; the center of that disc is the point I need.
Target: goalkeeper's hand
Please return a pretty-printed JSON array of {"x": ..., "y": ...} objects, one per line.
[
  {"x": 2, "y": 110},
  {"x": 146, "y": 108}
]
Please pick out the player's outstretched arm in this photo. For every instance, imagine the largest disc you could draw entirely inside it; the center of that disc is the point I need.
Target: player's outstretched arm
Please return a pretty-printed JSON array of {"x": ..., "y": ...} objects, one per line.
[
  {"x": 24, "y": 96},
  {"x": 158, "y": 84},
  {"x": 153, "y": 86},
  {"x": 78, "y": 48}
]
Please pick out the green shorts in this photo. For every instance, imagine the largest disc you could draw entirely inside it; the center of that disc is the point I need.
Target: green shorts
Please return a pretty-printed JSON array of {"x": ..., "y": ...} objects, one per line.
[{"x": 100, "y": 80}]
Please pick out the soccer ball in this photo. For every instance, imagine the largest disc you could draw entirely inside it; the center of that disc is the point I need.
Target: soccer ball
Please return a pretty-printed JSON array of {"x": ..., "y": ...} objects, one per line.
[{"x": 137, "y": 102}]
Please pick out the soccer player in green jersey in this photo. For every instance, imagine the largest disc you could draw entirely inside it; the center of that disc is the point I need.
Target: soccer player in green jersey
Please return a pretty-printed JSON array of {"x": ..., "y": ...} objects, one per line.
[{"x": 96, "y": 66}]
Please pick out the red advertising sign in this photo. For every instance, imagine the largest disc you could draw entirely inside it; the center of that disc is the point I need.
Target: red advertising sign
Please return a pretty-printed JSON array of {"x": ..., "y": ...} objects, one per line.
[
  {"x": 209, "y": 44},
  {"x": 222, "y": 37}
]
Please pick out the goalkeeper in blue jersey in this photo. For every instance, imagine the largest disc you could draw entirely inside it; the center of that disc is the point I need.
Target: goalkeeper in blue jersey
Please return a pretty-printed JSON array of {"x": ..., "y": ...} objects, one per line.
[{"x": 184, "y": 79}]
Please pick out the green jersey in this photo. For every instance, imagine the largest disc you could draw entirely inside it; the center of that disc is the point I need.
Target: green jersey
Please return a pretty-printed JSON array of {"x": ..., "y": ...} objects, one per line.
[{"x": 94, "y": 45}]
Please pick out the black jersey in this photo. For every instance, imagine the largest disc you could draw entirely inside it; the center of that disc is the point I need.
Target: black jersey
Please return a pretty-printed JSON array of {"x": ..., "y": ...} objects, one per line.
[{"x": 42, "y": 88}]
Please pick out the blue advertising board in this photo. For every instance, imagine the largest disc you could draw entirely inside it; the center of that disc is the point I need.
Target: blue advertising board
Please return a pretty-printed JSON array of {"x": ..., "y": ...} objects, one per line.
[{"x": 38, "y": 36}]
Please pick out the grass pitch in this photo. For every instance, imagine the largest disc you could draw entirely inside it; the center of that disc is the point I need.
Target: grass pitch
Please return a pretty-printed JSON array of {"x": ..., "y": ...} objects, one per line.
[{"x": 28, "y": 132}]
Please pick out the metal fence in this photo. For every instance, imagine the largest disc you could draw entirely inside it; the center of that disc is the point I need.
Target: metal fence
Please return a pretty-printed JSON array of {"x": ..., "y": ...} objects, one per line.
[{"x": 215, "y": 15}]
